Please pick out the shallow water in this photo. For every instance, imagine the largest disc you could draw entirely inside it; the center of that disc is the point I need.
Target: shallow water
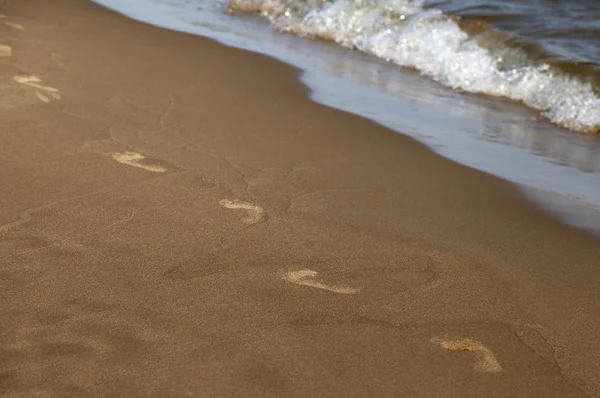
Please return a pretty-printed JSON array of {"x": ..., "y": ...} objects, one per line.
[{"x": 558, "y": 168}]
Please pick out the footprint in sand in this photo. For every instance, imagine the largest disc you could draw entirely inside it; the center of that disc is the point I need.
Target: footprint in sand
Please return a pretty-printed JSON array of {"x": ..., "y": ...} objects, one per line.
[
  {"x": 11, "y": 24},
  {"x": 44, "y": 93},
  {"x": 486, "y": 361},
  {"x": 134, "y": 159},
  {"x": 255, "y": 213},
  {"x": 14, "y": 25},
  {"x": 5, "y": 51},
  {"x": 306, "y": 277}
]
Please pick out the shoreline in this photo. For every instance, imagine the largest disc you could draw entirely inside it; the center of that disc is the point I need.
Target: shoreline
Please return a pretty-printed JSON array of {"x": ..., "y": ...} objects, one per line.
[
  {"x": 491, "y": 136},
  {"x": 173, "y": 159}
]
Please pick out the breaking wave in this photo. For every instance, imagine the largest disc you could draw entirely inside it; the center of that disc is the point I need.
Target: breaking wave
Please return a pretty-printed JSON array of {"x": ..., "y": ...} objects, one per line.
[{"x": 468, "y": 56}]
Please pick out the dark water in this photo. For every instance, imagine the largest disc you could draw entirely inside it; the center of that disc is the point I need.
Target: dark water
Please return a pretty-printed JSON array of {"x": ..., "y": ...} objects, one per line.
[{"x": 563, "y": 32}]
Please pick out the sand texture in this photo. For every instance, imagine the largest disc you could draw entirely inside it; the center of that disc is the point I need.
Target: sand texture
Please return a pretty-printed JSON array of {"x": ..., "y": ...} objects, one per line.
[{"x": 178, "y": 219}]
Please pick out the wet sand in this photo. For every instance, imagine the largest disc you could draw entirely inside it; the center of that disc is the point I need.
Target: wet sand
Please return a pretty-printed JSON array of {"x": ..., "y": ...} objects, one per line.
[{"x": 178, "y": 219}]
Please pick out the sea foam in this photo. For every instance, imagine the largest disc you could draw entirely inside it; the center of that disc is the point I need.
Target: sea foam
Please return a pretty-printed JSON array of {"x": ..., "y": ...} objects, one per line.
[{"x": 405, "y": 33}]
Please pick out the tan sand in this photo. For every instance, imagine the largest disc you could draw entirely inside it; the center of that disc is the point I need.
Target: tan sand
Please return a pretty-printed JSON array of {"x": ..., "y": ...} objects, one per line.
[{"x": 177, "y": 219}]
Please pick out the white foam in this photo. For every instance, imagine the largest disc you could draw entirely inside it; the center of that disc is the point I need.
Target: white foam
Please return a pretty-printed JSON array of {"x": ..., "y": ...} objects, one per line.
[{"x": 402, "y": 32}]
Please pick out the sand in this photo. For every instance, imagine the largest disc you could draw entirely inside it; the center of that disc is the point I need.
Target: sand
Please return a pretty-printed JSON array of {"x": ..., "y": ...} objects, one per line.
[{"x": 178, "y": 219}]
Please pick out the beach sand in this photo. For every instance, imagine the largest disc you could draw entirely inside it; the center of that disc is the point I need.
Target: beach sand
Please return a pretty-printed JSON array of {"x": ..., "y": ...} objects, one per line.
[{"x": 178, "y": 219}]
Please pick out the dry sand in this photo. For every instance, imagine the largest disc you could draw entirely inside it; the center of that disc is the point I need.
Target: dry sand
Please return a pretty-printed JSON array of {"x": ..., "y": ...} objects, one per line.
[{"x": 177, "y": 219}]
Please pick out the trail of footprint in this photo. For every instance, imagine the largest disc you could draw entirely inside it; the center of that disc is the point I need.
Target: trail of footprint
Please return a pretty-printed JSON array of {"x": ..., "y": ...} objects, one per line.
[
  {"x": 305, "y": 278},
  {"x": 44, "y": 93},
  {"x": 255, "y": 212},
  {"x": 486, "y": 362},
  {"x": 5, "y": 51},
  {"x": 134, "y": 158}
]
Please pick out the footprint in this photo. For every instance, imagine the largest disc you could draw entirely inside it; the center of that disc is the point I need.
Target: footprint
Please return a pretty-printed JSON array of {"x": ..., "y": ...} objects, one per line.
[
  {"x": 305, "y": 277},
  {"x": 44, "y": 93},
  {"x": 255, "y": 213},
  {"x": 486, "y": 362},
  {"x": 32, "y": 81},
  {"x": 5, "y": 51},
  {"x": 14, "y": 25},
  {"x": 134, "y": 158},
  {"x": 11, "y": 24}
]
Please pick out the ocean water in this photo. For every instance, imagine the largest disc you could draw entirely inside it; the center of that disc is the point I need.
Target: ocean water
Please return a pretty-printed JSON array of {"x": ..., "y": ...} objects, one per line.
[
  {"x": 504, "y": 87},
  {"x": 460, "y": 52}
]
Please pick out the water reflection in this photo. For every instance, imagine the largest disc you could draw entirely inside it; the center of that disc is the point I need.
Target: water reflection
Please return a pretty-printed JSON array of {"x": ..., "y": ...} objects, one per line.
[{"x": 494, "y": 120}]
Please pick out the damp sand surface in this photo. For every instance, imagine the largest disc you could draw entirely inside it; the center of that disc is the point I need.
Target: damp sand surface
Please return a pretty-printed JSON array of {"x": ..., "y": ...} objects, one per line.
[{"x": 179, "y": 219}]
